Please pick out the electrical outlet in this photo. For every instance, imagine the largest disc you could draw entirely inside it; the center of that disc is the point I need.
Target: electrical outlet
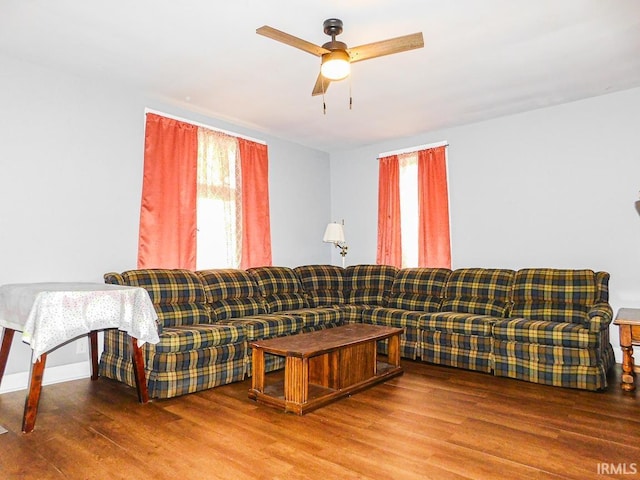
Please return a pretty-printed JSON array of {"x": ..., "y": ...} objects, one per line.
[{"x": 81, "y": 346}]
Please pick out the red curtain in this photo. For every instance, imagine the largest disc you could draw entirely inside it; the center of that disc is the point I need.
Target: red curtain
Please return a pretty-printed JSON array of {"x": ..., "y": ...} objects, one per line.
[
  {"x": 168, "y": 212},
  {"x": 434, "y": 244},
  {"x": 389, "y": 229},
  {"x": 256, "y": 223}
]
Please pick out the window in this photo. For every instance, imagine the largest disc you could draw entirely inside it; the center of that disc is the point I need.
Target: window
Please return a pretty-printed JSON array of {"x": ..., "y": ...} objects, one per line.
[
  {"x": 219, "y": 201},
  {"x": 413, "y": 209},
  {"x": 205, "y": 198}
]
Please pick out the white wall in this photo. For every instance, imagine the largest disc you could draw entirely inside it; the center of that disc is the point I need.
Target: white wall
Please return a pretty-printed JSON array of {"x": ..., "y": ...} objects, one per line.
[
  {"x": 71, "y": 158},
  {"x": 553, "y": 187}
]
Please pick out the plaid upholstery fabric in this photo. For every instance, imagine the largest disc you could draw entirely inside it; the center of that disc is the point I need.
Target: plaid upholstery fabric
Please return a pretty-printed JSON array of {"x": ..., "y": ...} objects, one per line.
[
  {"x": 323, "y": 284},
  {"x": 562, "y": 334},
  {"x": 185, "y": 338},
  {"x": 369, "y": 284},
  {"x": 452, "y": 322},
  {"x": 554, "y": 365},
  {"x": 180, "y": 373},
  {"x": 419, "y": 289},
  {"x": 571, "y": 376},
  {"x": 177, "y": 295},
  {"x": 231, "y": 293},
  {"x": 393, "y": 317},
  {"x": 481, "y": 291},
  {"x": 317, "y": 318},
  {"x": 280, "y": 288},
  {"x": 472, "y": 352},
  {"x": 266, "y": 326},
  {"x": 555, "y": 295},
  {"x": 547, "y": 354},
  {"x": 602, "y": 286},
  {"x": 170, "y": 374}
]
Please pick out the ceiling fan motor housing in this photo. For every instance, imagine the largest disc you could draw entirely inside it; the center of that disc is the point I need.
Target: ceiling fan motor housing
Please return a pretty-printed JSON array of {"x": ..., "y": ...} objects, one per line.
[{"x": 332, "y": 27}]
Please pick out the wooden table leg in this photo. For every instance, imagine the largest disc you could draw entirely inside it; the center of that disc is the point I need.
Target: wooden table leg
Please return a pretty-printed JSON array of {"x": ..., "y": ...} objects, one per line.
[
  {"x": 628, "y": 374},
  {"x": 138, "y": 371},
  {"x": 257, "y": 370},
  {"x": 394, "y": 350},
  {"x": 93, "y": 353},
  {"x": 7, "y": 338},
  {"x": 33, "y": 398}
]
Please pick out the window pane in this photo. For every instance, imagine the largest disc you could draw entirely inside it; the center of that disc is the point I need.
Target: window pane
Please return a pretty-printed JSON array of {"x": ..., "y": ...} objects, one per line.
[
  {"x": 409, "y": 208},
  {"x": 218, "y": 203}
]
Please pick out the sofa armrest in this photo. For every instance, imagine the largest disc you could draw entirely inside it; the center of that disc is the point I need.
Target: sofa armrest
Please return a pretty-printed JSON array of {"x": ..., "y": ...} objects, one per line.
[{"x": 600, "y": 316}]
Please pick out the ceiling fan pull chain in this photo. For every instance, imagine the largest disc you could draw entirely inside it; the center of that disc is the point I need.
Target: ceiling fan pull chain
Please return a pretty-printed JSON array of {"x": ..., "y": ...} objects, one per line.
[
  {"x": 324, "y": 104},
  {"x": 350, "y": 96}
]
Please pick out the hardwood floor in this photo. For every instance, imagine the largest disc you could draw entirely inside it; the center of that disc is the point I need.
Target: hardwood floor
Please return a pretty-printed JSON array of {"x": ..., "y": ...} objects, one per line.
[{"x": 432, "y": 422}]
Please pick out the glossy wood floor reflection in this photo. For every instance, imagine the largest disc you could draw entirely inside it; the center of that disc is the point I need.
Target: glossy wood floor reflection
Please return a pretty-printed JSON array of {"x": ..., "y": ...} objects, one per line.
[{"x": 432, "y": 422}]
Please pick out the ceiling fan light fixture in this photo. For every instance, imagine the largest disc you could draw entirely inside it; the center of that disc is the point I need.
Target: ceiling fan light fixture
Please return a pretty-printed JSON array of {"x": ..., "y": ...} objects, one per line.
[{"x": 336, "y": 65}]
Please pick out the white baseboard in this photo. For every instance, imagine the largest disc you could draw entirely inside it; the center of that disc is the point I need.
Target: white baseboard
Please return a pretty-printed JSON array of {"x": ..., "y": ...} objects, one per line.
[{"x": 62, "y": 373}]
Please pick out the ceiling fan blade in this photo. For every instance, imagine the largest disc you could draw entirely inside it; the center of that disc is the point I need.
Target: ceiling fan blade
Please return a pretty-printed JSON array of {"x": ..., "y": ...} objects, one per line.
[
  {"x": 291, "y": 40},
  {"x": 386, "y": 47},
  {"x": 321, "y": 85}
]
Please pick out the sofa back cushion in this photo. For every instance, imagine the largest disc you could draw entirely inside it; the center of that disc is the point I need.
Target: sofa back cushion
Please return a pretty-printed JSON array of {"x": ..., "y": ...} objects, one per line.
[
  {"x": 419, "y": 289},
  {"x": 479, "y": 291},
  {"x": 231, "y": 293},
  {"x": 177, "y": 295},
  {"x": 369, "y": 284},
  {"x": 280, "y": 288},
  {"x": 323, "y": 285},
  {"x": 556, "y": 295}
]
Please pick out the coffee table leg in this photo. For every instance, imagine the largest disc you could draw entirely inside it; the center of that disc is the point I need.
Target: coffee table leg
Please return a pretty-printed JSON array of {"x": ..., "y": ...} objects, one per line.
[
  {"x": 33, "y": 398},
  {"x": 296, "y": 383},
  {"x": 394, "y": 350},
  {"x": 257, "y": 367}
]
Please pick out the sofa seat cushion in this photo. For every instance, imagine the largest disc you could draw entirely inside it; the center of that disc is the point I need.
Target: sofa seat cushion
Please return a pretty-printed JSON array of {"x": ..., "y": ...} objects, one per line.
[
  {"x": 231, "y": 293},
  {"x": 268, "y": 325},
  {"x": 194, "y": 337},
  {"x": 323, "y": 284},
  {"x": 561, "y": 334},
  {"x": 317, "y": 318},
  {"x": 280, "y": 288},
  {"x": 464, "y": 323},
  {"x": 480, "y": 291},
  {"x": 419, "y": 289},
  {"x": 392, "y": 317},
  {"x": 369, "y": 284}
]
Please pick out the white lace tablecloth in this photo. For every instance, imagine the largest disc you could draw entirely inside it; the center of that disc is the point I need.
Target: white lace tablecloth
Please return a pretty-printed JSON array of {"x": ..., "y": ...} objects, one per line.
[{"x": 50, "y": 314}]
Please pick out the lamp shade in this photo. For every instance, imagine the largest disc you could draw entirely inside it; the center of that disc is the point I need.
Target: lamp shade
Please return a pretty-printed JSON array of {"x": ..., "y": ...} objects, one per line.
[
  {"x": 334, "y": 233},
  {"x": 335, "y": 65},
  {"x": 638, "y": 206}
]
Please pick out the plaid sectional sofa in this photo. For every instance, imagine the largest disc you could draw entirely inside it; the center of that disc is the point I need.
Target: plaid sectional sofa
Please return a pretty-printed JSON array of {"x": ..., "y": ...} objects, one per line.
[{"x": 547, "y": 326}]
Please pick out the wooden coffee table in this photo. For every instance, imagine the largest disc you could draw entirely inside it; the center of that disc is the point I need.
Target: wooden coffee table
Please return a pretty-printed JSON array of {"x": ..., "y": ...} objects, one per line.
[{"x": 323, "y": 366}]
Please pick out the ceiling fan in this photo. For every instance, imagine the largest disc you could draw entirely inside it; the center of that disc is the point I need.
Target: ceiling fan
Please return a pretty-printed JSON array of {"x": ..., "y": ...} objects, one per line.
[{"x": 336, "y": 56}]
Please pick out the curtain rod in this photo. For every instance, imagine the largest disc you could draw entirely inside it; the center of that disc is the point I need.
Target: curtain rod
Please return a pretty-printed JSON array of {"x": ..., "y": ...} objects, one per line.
[
  {"x": 414, "y": 149},
  {"x": 203, "y": 125}
]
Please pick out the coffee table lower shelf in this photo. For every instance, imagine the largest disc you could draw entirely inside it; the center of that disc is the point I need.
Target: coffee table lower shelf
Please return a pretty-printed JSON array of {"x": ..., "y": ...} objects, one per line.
[{"x": 318, "y": 395}]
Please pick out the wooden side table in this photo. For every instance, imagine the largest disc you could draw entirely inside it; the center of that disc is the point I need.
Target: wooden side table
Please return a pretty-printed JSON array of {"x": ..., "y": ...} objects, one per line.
[{"x": 628, "y": 320}]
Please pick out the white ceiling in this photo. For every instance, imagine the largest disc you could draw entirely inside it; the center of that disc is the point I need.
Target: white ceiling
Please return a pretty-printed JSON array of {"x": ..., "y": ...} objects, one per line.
[{"x": 482, "y": 58}]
